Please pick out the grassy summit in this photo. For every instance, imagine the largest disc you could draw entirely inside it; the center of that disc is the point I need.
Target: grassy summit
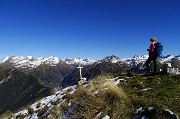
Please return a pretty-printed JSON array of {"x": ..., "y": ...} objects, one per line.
[
  {"x": 160, "y": 91},
  {"x": 117, "y": 98},
  {"x": 103, "y": 97}
]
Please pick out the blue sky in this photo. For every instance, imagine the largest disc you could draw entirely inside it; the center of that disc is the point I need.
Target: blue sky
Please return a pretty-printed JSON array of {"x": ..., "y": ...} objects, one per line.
[{"x": 87, "y": 28}]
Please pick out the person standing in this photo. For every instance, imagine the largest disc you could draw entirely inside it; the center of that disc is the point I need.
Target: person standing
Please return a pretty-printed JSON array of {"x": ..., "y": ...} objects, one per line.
[{"x": 152, "y": 55}]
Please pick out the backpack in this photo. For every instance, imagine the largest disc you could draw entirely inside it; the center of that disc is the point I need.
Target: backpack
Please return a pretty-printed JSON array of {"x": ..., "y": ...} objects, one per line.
[{"x": 159, "y": 49}]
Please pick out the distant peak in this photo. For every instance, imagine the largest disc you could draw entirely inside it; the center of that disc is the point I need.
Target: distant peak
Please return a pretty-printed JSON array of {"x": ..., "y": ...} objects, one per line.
[
  {"x": 112, "y": 59},
  {"x": 169, "y": 56},
  {"x": 79, "y": 61},
  {"x": 178, "y": 56},
  {"x": 30, "y": 61},
  {"x": 140, "y": 56}
]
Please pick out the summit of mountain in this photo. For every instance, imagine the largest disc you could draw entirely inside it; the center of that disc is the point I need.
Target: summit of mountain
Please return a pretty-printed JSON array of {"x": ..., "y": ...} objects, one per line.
[{"x": 112, "y": 59}]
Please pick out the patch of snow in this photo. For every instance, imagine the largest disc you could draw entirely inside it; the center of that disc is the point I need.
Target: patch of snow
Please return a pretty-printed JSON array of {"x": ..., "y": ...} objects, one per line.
[
  {"x": 114, "y": 60},
  {"x": 169, "y": 111},
  {"x": 37, "y": 106},
  {"x": 171, "y": 114},
  {"x": 2, "y": 81},
  {"x": 96, "y": 92},
  {"x": 145, "y": 89},
  {"x": 106, "y": 117},
  {"x": 33, "y": 116},
  {"x": 138, "y": 110},
  {"x": 169, "y": 64},
  {"x": 173, "y": 70},
  {"x": 86, "y": 85},
  {"x": 5, "y": 59},
  {"x": 72, "y": 88},
  {"x": 82, "y": 81},
  {"x": 6, "y": 79},
  {"x": 21, "y": 112},
  {"x": 115, "y": 80}
]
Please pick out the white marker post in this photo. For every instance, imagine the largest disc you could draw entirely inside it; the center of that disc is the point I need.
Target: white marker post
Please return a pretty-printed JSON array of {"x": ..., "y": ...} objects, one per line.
[{"x": 80, "y": 71}]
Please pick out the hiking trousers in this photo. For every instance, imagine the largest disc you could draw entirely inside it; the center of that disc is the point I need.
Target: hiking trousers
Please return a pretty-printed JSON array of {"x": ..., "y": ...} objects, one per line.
[{"x": 151, "y": 58}]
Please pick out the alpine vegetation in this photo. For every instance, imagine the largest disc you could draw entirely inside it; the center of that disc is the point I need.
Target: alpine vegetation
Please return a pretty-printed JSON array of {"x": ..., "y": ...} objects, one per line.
[{"x": 101, "y": 97}]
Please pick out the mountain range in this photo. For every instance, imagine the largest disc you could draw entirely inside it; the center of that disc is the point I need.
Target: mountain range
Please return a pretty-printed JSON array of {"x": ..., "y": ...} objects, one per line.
[
  {"x": 33, "y": 62},
  {"x": 27, "y": 78}
]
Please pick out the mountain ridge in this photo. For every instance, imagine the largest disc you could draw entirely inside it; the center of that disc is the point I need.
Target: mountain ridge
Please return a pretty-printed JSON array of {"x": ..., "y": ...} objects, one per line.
[{"x": 33, "y": 62}]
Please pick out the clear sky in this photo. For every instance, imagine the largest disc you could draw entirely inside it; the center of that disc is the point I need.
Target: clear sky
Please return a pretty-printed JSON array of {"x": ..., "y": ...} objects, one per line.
[{"x": 87, "y": 28}]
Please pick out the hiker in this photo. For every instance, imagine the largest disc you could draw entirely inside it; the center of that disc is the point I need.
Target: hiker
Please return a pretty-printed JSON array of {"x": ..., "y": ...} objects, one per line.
[{"x": 152, "y": 55}]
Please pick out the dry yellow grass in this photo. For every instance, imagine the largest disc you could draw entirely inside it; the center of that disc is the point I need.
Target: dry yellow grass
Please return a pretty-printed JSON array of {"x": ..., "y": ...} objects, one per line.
[{"x": 109, "y": 99}]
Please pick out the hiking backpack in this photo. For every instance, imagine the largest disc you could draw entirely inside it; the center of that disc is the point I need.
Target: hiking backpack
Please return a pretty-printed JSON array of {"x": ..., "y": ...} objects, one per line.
[{"x": 159, "y": 49}]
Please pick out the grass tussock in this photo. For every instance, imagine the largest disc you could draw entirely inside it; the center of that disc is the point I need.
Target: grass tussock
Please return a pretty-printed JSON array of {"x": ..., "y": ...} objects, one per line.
[
  {"x": 55, "y": 113},
  {"x": 100, "y": 98},
  {"x": 103, "y": 97}
]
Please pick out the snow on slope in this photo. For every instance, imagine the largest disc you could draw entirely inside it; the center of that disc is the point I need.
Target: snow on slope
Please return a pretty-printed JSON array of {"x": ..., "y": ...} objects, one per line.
[
  {"x": 45, "y": 102},
  {"x": 178, "y": 57},
  {"x": 58, "y": 99},
  {"x": 135, "y": 60},
  {"x": 142, "y": 59},
  {"x": 167, "y": 58},
  {"x": 112, "y": 59}
]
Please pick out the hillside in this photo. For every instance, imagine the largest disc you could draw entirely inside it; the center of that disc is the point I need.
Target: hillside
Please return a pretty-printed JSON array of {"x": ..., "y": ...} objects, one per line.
[
  {"x": 18, "y": 89},
  {"x": 18, "y": 74},
  {"x": 105, "y": 97}
]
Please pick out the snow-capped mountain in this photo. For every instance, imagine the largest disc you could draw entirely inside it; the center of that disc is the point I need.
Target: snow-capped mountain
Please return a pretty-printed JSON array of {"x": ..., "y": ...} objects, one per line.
[
  {"x": 178, "y": 57},
  {"x": 79, "y": 61},
  {"x": 135, "y": 60},
  {"x": 167, "y": 58},
  {"x": 29, "y": 61},
  {"x": 112, "y": 59},
  {"x": 33, "y": 62}
]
